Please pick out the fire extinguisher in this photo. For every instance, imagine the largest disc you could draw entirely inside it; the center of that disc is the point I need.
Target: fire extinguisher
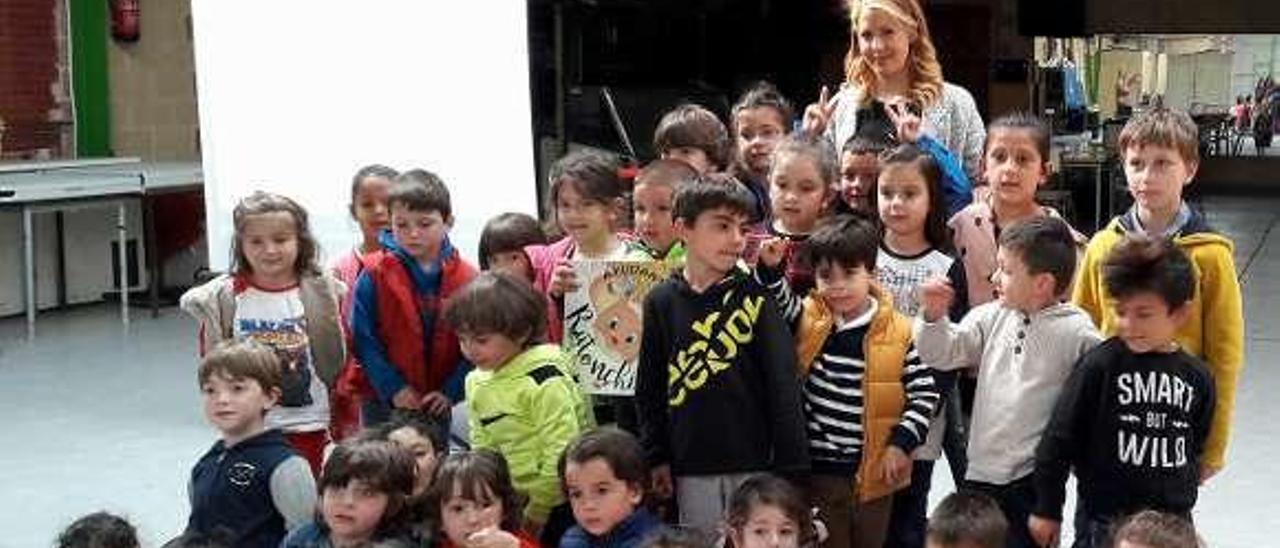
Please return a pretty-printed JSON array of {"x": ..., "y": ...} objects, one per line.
[{"x": 125, "y": 20}]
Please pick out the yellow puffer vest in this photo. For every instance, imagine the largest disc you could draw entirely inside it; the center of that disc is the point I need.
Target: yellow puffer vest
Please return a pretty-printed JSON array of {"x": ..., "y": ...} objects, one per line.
[{"x": 883, "y": 397}]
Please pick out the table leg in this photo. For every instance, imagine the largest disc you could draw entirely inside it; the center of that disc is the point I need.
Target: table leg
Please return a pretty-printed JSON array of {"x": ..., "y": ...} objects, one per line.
[
  {"x": 153, "y": 261},
  {"x": 59, "y": 228},
  {"x": 29, "y": 270},
  {"x": 122, "y": 233}
]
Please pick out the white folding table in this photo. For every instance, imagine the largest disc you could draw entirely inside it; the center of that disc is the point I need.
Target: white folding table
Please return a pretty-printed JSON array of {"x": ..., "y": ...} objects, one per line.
[{"x": 74, "y": 184}]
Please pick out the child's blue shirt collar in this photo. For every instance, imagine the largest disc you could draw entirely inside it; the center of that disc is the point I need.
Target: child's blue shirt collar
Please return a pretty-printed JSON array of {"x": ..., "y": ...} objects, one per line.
[{"x": 424, "y": 280}]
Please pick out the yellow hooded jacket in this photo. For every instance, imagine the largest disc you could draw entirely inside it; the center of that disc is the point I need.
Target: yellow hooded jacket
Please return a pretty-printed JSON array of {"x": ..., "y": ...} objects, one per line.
[{"x": 1214, "y": 330}]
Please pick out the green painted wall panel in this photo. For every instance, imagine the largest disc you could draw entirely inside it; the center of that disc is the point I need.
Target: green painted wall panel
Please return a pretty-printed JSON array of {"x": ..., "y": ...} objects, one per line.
[{"x": 89, "y": 77}]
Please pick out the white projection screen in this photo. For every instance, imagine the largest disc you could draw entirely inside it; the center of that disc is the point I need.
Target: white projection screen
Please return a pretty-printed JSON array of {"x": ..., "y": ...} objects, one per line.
[{"x": 296, "y": 95}]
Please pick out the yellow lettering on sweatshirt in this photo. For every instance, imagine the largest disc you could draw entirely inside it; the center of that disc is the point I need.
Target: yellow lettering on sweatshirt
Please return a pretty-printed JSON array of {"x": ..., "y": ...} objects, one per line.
[{"x": 715, "y": 346}]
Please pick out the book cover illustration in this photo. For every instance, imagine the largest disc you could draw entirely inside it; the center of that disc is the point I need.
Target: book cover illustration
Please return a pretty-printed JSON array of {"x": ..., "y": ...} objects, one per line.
[{"x": 603, "y": 323}]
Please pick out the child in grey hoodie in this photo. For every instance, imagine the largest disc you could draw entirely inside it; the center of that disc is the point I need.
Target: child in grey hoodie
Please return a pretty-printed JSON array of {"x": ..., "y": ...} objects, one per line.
[{"x": 1025, "y": 344}]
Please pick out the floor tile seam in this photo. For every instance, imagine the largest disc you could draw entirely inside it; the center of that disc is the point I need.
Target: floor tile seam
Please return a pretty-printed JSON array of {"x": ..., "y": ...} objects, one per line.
[{"x": 1257, "y": 249}]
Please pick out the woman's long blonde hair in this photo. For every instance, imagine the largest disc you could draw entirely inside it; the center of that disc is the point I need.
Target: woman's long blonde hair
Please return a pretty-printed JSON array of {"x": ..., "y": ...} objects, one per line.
[{"x": 922, "y": 60}]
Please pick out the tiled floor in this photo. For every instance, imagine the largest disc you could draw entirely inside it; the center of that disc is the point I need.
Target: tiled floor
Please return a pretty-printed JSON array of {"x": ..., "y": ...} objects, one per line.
[{"x": 94, "y": 418}]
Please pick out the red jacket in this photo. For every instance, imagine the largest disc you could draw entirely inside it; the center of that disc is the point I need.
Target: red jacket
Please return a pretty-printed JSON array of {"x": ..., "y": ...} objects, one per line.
[{"x": 399, "y": 320}]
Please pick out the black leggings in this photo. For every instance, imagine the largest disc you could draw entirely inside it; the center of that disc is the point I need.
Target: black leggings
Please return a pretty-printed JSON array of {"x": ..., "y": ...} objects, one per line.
[{"x": 1016, "y": 500}]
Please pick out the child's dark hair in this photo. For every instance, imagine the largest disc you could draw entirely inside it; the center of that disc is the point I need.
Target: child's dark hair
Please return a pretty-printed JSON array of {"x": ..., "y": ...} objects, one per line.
[
  {"x": 866, "y": 142},
  {"x": 497, "y": 303},
  {"x": 667, "y": 172},
  {"x": 970, "y": 517},
  {"x": 726, "y": 178},
  {"x": 936, "y": 231},
  {"x": 508, "y": 232},
  {"x": 99, "y": 530},
  {"x": 818, "y": 149},
  {"x": 242, "y": 359},
  {"x": 1023, "y": 121},
  {"x": 369, "y": 172},
  {"x": 592, "y": 173},
  {"x": 480, "y": 475},
  {"x": 678, "y": 537},
  {"x": 1045, "y": 245},
  {"x": 418, "y": 421},
  {"x": 1141, "y": 264},
  {"x": 849, "y": 240},
  {"x": 1163, "y": 127},
  {"x": 220, "y": 537},
  {"x": 765, "y": 95},
  {"x": 770, "y": 490},
  {"x": 421, "y": 191},
  {"x": 260, "y": 203},
  {"x": 693, "y": 126},
  {"x": 693, "y": 200},
  {"x": 1157, "y": 530},
  {"x": 618, "y": 448},
  {"x": 381, "y": 466},
  {"x": 875, "y": 126}
]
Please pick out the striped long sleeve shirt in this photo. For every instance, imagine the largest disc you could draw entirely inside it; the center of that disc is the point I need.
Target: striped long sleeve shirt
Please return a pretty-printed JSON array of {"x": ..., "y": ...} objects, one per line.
[{"x": 833, "y": 387}]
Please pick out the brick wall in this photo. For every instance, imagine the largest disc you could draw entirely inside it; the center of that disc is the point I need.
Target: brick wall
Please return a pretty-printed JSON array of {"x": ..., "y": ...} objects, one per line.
[{"x": 34, "y": 101}]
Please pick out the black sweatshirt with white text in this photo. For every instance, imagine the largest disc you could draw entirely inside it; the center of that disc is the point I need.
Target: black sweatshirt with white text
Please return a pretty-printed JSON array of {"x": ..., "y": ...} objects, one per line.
[{"x": 1133, "y": 427}]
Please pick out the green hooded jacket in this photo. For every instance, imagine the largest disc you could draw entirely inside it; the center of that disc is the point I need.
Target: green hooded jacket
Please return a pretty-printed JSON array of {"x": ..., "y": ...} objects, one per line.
[{"x": 529, "y": 410}]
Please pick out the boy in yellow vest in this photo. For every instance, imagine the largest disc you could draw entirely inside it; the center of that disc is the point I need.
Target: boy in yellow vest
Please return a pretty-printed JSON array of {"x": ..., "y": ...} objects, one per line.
[{"x": 867, "y": 398}]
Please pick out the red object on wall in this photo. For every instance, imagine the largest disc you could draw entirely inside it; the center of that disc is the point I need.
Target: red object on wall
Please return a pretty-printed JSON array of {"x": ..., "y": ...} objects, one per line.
[{"x": 126, "y": 18}]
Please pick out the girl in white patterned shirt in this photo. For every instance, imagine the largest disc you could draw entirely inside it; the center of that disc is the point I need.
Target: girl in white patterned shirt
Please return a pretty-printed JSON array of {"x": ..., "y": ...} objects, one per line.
[{"x": 916, "y": 246}]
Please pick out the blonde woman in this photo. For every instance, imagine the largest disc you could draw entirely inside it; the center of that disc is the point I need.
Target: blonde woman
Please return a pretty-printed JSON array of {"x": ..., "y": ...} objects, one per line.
[{"x": 891, "y": 59}]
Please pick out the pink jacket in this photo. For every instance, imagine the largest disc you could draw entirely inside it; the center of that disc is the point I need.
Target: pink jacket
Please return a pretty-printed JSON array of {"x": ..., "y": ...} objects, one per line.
[
  {"x": 974, "y": 235},
  {"x": 543, "y": 259},
  {"x": 346, "y": 268}
]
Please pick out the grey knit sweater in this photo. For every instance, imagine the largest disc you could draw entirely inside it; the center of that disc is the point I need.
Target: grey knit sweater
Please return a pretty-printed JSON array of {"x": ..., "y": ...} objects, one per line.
[{"x": 953, "y": 120}]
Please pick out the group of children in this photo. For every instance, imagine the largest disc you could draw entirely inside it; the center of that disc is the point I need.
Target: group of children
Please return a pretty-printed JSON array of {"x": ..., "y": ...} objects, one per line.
[{"x": 824, "y": 306}]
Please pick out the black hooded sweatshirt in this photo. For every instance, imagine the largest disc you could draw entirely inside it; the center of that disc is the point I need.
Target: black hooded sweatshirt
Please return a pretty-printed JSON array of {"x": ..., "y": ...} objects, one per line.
[{"x": 717, "y": 390}]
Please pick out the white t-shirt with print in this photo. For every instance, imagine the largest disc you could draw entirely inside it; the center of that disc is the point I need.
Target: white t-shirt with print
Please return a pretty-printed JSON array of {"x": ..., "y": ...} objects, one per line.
[
  {"x": 902, "y": 275},
  {"x": 276, "y": 318}
]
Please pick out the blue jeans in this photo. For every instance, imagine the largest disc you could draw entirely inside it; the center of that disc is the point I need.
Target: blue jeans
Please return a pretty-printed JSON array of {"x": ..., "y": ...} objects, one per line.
[{"x": 908, "y": 523}]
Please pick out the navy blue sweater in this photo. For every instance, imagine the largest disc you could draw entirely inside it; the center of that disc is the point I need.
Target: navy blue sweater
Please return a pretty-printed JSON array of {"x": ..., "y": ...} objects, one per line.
[
  {"x": 231, "y": 490},
  {"x": 627, "y": 534}
]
